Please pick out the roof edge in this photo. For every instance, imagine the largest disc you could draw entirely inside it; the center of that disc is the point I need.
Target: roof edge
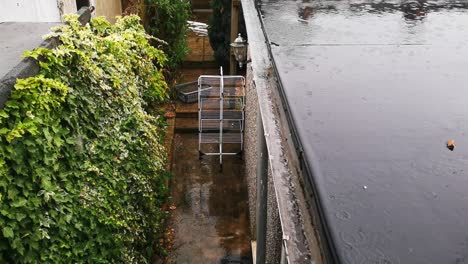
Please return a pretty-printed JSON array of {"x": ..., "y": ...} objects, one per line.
[
  {"x": 29, "y": 67},
  {"x": 267, "y": 80},
  {"x": 294, "y": 240}
]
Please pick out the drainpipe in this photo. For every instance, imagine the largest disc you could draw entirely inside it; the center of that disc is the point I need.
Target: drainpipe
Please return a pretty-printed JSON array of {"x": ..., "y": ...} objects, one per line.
[
  {"x": 262, "y": 191},
  {"x": 283, "y": 254}
]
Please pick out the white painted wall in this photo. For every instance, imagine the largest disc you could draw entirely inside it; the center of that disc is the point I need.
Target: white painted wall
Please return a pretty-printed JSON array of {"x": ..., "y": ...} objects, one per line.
[
  {"x": 52, "y": 10},
  {"x": 29, "y": 11}
]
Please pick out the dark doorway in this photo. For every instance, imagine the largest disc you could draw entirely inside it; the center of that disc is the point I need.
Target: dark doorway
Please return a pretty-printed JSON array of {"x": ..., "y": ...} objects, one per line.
[{"x": 81, "y": 3}]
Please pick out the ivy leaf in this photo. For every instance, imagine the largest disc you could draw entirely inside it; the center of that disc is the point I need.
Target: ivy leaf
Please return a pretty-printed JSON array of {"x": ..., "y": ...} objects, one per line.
[
  {"x": 68, "y": 218},
  {"x": 7, "y": 232},
  {"x": 47, "y": 134},
  {"x": 19, "y": 203},
  {"x": 12, "y": 193},
  {"x": 20, "y": 216},
  {"x": 18, "y": 245}
]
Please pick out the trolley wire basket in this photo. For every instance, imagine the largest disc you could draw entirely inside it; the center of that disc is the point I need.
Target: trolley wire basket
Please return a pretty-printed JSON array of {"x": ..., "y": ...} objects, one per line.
[{"x": 188, "y": 92}]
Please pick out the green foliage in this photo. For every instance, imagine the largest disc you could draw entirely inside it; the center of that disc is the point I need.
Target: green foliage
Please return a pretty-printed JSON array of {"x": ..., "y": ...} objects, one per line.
[
  {"x": 220, "y": 31},
  {"x": 81, "y": 162},
  {"x": 167, "y": 19}
]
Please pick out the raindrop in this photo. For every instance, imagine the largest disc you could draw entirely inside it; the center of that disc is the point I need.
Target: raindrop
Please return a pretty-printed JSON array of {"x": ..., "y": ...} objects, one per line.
[{"x": 343, "y": 215}]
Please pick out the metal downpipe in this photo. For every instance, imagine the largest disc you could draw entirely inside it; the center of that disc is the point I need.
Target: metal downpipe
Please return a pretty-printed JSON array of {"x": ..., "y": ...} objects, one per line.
[{"x": 262, "y": 191}]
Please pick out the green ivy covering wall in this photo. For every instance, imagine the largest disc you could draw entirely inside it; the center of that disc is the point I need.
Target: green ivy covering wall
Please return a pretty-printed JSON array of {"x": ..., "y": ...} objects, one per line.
[
  {"x": 167, "y": 20},
  {"x": 81, "y": 161}
]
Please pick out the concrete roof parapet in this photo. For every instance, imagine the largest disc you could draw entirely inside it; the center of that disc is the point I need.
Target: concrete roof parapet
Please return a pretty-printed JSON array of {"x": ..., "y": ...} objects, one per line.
[{"x": 28, "y": 67}]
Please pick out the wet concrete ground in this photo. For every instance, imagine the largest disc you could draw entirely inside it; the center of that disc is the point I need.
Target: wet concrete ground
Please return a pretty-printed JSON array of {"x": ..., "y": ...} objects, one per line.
[{"x": 211, "y": 220}]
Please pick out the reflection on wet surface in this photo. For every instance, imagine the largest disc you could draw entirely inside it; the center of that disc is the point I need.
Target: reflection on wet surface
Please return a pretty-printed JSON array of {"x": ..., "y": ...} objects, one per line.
[
  {"x": 376, "y": 89},
  {"x": 365, "y": 22},
  {"x": 211, "y": 220}
]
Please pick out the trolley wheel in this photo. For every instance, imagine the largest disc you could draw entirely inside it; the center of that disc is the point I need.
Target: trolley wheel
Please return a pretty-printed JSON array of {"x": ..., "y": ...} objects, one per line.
[{"x": 241, "y": 155}]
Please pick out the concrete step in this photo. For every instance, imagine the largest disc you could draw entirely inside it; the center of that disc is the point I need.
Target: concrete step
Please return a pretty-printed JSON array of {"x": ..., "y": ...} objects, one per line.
[
  {"x": 186, "y": 124},
  {"x": 190, "y": 124},
  {"x": 187, "y": 115}
]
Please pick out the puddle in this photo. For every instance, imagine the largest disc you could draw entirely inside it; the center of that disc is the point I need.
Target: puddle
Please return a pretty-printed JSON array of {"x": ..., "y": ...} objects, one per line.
[{"x": 211, "y": 220}]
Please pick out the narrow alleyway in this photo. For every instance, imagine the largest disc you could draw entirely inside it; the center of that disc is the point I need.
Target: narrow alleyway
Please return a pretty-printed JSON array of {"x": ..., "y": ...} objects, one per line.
[{"x": 211, "y": 218}]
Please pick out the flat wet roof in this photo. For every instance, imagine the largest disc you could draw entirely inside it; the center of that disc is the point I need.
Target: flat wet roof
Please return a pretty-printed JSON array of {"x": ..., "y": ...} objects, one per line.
[
  {"x": 15, "y": 38},
  {"x": 376, "y": 89}
]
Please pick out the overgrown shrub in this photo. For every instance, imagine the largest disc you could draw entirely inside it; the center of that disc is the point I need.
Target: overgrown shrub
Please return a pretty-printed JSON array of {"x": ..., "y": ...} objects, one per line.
[
  {"x": 81, "y": 162},
  {"x": 220, "y": 31},
  {"x": 167, "y": 19}
]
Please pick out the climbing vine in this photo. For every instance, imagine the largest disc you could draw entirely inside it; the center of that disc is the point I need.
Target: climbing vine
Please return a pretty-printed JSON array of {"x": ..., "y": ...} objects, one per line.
[
  {"x": 82, "y": 163},
  {"x": 167, "y": 19}
]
